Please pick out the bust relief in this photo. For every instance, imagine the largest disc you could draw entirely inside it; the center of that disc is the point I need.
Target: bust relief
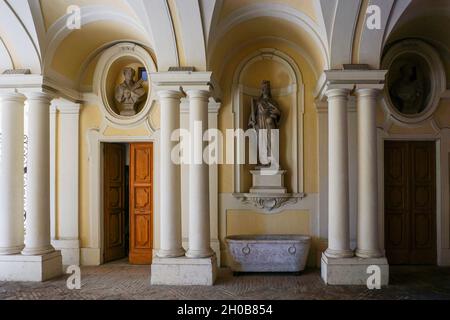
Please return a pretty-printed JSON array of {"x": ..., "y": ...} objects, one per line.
[
  {"x": 407, "y": 93},
  {"x": 129, "y": 93}
]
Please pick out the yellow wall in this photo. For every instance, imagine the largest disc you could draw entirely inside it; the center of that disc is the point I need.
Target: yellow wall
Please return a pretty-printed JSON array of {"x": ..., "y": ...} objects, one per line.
[
  {"x": 53, "y": 10},
  {"x": 305, "y": 6},
  {"x": 242, "y": 222},
  {"x": 91, "y": 118},
  {"x": 441, "y": 117},
  {"x": 310, "y": 115}
]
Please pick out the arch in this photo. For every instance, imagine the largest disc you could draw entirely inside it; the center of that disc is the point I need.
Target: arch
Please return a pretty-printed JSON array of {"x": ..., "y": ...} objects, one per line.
[
  {"x": 59, "y": 31},
  {"x": 371, "y": 41},
  {"x": 18, "y": 42},
  {"x": 280, "y": 11},
  {"x": 296, "y": 89}
]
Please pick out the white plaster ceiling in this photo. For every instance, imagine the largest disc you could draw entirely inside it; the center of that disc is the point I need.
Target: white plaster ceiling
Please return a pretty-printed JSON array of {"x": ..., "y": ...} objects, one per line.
[{"x": 172, "y": 29}]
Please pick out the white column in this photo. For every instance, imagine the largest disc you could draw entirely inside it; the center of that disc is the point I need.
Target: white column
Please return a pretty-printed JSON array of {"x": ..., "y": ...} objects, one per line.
[
  {"x": 199, "y": 218},
  {"x": 37, "y": 223},
  {"x": 68, "y": 232},
  {"x": 338, "y": 203},
  {"x": 367, "y": 232},
  {"x": 11, "y": 173},
  {"x": 170, "y": 190}
]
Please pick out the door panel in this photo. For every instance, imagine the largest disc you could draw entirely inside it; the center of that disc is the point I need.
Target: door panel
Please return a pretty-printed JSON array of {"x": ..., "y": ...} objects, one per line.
[
  {"x": 141, "y": 203},
  {"x": 396, "y": 202},
  {"x": 423, "y": 204},
  {"x": 410, "y": 198},
  {"x": 114, "y": 202}
]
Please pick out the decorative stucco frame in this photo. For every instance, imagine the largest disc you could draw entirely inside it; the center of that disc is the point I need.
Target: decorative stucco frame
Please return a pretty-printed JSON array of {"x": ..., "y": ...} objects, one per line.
[
  {"x": 93, "y": 253},
  {"x": 437, "y": 77},
  {"x": 104, "y": 64},
  {"x": 296, "y": 88}
]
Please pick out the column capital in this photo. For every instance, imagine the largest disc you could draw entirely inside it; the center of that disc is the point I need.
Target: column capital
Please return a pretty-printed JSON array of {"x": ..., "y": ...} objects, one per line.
[
  {"x": 198, "y": 94},
  {"x": 66, "y": 107},
  {"x": 169, "y": 94},
  {"x": 12, "y": 96},
  {"x": 337, "y": 93},
  {"x": 39, "y": 96},
  {"x": 367, "y": 92}
]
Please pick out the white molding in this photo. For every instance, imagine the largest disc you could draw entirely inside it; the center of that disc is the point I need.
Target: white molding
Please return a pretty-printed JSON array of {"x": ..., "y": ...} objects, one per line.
[
  {"x": 165, "y": 43},
  {"x": 53, "y": 146},
  {"x": 349, "y": 79},
  {"x": 6, "y": 61},
  {"x": 296, "y": 89},
  {"x": 371, "y": 41},
  {"x": 58, "y": 31},
  {"x": 17, "y": 30},
  {"x": 343, "y": 27},
  {"x": 68, "y": 181},
  {"x": 102, "y": 70},
  {"x": 192, "y": 37},
  {"x": 95, "y": 169},
  {"x": 437, "y": 79},
  {"x": 442, "y": 140},
  {"x": 93, "y": 254},
  {"x": 91, "y": 57},
  {"x": 280, "y": 11},
  {"x": 187, "y": 80},
  {"x": 294, "y": 46}
]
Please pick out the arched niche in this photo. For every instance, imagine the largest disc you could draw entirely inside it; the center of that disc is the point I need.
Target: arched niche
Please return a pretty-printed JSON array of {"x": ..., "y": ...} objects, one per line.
[
  {"x": 288, "y": 90},
  {"x": 108, "y": 74}
]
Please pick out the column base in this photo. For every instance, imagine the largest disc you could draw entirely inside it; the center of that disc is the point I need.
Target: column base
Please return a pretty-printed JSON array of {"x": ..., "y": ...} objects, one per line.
[
  {"x": 368, "y": 254},
  {"x": 70, "y": 251},
  {"x": 11, "y": 250},
  {"x": 31, "y": 268},
  {"x": 184, "y": 271},
  {"x": 351, "y": 271},
  {"x": 37, "y": 251},
  {"x": 199, "y": 254},
  {"x": 170, "y": 253},
  {"x": 336, "y": 254}
]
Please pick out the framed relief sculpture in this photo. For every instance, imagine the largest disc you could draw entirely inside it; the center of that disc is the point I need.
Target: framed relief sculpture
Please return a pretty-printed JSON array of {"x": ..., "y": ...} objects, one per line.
[{"x": 414, "y": 82}]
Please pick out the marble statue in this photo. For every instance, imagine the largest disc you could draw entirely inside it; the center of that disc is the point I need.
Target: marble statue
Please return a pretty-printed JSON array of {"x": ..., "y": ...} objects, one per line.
[
  {"x": 129, "y": 93},
  {"x": 265, "y": 114},
  {"x": 407, "y": 93}
]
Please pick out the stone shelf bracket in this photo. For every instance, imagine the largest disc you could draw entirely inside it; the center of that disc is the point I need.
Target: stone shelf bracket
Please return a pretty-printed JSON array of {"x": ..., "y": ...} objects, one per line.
[{"x": 269, "y": 202}]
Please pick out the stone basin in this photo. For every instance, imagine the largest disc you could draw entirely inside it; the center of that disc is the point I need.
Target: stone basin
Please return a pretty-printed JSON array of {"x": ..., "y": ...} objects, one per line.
[{"x": 268, "y": 253}]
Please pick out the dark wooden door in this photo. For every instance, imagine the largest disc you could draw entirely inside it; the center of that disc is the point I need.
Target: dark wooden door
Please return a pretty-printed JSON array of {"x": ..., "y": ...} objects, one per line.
[
  {"x": 114, "y": 202},
  {"x": 141, "y": 203},
  {"x": 410, "y": 202}
]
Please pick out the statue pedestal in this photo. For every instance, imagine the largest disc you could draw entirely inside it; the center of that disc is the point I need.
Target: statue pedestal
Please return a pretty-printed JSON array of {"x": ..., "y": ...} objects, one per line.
[
  {"x": 127, "y": 110},
  {"x": 268, "y": 180}
]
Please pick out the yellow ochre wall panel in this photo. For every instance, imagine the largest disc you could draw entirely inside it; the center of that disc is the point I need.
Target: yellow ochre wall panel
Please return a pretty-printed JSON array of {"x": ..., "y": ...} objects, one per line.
[
  {"x": 248, "y": 222},
  {"x": 310, "y": 116}
]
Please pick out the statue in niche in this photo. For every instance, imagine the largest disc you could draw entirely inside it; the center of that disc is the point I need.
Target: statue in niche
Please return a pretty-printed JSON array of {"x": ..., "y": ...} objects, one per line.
[
  {"x": 129, "y": 93},
  {"x": 407, "y": 93},
  {"x": 265, "y": 114}
]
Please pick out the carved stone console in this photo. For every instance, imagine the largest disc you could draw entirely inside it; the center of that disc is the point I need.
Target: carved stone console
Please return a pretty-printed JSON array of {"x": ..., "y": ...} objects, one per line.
[{"x": 269, "y": 201}]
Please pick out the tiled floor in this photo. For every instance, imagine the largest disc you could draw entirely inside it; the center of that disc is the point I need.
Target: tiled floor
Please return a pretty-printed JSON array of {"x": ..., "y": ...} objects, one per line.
[{"x": 122, "y": 281}]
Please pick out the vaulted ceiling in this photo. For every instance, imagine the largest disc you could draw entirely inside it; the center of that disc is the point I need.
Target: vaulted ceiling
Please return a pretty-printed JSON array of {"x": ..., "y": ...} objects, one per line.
[{"x": 203, "y": 33}]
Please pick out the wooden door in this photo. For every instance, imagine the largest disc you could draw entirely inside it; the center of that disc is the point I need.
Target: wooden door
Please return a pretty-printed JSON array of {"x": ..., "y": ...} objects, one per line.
[
  {"x": 114, "y": 202},
  {"x": 410, "y": 202},
  {"x": 141, "y": 203}
]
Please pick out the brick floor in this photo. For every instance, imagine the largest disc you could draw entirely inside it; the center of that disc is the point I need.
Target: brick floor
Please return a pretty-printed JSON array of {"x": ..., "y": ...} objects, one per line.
[{"x": 122, "y": 281}]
